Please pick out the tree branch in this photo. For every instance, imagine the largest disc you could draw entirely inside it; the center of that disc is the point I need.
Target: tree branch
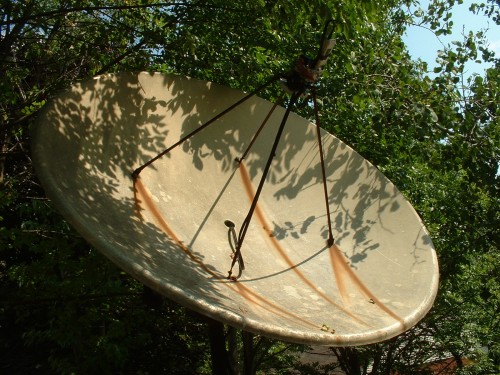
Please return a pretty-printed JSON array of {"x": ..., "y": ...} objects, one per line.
[{"x": 53, "y": 13}]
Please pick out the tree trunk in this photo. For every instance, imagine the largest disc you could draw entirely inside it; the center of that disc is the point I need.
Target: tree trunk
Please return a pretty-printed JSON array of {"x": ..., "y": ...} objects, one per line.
[
  {"x": 349, "y": 360},
  {"x": 220, "y": 357},
  {"x": 248, "y": 353}
]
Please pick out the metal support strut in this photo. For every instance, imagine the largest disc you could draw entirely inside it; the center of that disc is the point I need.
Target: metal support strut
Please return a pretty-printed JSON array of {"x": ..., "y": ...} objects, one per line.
[
  {"x": 136, "y": 172},
  {"x": 248, "y": 218},
  {"x": 299, "y": 80},
  {"x": 323, "y": 171}
]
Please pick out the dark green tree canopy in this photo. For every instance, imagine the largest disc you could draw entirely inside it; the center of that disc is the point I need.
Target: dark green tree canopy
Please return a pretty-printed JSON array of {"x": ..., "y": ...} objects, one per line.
[{"x": 65, "y": 309}]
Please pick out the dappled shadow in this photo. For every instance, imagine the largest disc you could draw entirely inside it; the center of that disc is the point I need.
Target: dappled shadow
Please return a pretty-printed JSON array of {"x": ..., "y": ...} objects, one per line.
[
  {"x": 85, "y": 144},
  {"x": 168, "y": 231}
]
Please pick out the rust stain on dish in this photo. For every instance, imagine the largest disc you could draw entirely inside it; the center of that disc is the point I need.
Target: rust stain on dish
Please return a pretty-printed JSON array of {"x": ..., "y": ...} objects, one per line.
[
  {"x": 141, "y": 192},
  {"x": 260, "y": 215},
  {"x": 342, "y": 272},
  {"x": 142, "y": 195},
  {"x": 257, "y": 299}
]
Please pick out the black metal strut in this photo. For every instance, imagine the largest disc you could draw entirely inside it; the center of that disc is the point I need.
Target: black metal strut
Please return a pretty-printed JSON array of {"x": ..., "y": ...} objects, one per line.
[
  {"x": 248, "y": 218},
  {"x": 137, "y": 171},
  {"x": 323, "y": 171}
]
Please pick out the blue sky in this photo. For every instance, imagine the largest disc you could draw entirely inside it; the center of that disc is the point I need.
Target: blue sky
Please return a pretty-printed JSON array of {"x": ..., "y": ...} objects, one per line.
[{"x": 424, "y": 44}]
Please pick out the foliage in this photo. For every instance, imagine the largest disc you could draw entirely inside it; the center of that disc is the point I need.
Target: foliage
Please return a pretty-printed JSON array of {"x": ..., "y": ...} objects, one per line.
[{"x": 436, "y": 135}]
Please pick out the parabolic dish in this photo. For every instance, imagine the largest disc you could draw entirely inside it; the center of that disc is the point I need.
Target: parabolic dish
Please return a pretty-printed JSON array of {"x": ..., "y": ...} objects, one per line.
[{"x": 167, "y": 228}]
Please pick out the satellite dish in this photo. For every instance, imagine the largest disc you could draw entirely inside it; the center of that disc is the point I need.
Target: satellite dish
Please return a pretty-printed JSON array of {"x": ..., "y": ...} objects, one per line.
[{"x": 172, "y": 227}]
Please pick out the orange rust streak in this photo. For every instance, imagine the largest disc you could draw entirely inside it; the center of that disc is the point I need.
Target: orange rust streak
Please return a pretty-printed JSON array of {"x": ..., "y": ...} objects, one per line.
[
  {"x": 142, "y": 195},
  {"x": 253, "y": 297},
  {"x": 336, "y": 262},
  {"x": 137, "y": 203},
  {"x": 260, "y": 215},
  {"x": 342, "y": 270}
]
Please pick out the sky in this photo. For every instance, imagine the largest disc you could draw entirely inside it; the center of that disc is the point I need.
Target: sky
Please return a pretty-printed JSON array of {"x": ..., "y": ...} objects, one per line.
[{"x": 424, "y": 44}]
